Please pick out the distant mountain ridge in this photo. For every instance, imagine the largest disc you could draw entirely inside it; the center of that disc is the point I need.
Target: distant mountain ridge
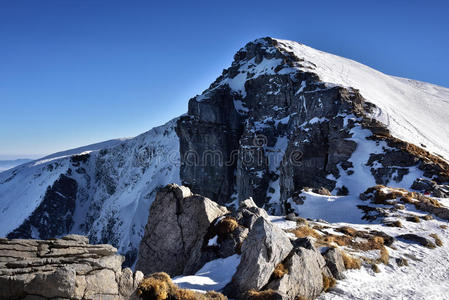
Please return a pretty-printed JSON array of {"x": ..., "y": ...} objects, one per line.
[{"x": 8, "y": 164}]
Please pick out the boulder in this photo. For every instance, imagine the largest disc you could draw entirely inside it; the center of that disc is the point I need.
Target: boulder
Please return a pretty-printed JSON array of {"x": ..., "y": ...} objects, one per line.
[
  {"x": 305, "y": 270},
  {"x": 334, "y": 261},
  {"x": 176, "y": 232},
  {"x": 249, "y": 212},
  {"x": 265, "y": 247},
  {"x": 63, "y": 268},
  {"x": 304, "y": 277}
]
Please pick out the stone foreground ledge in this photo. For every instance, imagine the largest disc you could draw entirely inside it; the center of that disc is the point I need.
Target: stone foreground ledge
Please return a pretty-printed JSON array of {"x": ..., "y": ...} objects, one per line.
[{"x": 68, "y": 268}]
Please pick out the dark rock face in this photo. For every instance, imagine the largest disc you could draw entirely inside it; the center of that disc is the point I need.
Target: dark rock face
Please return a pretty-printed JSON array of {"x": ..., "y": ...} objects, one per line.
[
  {"x": 272, "y": 127},
  {"x": 430, "y": 186},
  {"x": 208, "y": 137},
  {"x": 53, "y": 217},
  {"x": 282, "y": 133}
]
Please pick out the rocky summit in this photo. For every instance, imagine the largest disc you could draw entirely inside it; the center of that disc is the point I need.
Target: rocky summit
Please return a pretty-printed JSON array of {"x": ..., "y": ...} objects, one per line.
[{"x": 292, "y": 158}]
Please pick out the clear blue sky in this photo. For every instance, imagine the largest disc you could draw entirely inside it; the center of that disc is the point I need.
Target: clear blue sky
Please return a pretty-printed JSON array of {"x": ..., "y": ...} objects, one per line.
[{"x": 79, "y": 72}]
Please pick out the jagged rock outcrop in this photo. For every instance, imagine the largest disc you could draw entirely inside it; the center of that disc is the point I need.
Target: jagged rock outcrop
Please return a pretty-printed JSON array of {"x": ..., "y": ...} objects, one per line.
[
  {"x": 256, "y": 143},
  {"x": 66, "y": 268},
  {"x": 176, "y": 232},
  {"x": 249, "y": 212},
  {"x": 185, "y": 231},
  {"x": 430, "y": 186},
  {"x": 265, "y": 247},
  {"x": 270, "y": 126}
]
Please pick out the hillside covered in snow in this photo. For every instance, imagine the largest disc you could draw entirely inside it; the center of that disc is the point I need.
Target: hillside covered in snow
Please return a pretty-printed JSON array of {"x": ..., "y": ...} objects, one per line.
[{"x": 285, "y": 124}]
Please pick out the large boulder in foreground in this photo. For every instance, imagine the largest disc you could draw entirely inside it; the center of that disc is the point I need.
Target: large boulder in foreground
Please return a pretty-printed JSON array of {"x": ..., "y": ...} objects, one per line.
[
  {"x": 68, "y": 268},
  {"x": 303, "y": 275},
  {"x": 265, "y": 247},
  {"x": 176, "y": 232}
]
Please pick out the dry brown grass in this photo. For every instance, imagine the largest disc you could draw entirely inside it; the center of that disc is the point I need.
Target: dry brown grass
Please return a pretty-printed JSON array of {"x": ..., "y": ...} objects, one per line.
[
  {"x": 437, "y": 239},
  {"x": 351, "y": 262},
  {"x": 304, "y": 231},
  {"x": 437, "y": 164},
  {"x": 375, "y": 268},
  {"x": 159, "y": 286},
  {"x": 379, "y": 196},
  {"x": 226, "y": 225},
  {"x": 186, "y": 294},
  {"x": 212, "y": 295},
  {"x": 414, "y": 219},
  {"x": 401, "y": 262},
  {"x": 328, "y": 283},
  {"x": 347, "y": 230},
  {"x": 322, "y": 191},
  {"x": 427, "y": 217},
  {"x": 407, "y": 199},
  {"x": 396, "y": 223},
  {"x": 443, "y": 226},
  {"x": 350, "y": 239},
  {"x": 279, "y": 271},
  {"x": 384, "y": 256},
  {"x": 301, "y": 221},
  {"x": 260, "y": 295}
]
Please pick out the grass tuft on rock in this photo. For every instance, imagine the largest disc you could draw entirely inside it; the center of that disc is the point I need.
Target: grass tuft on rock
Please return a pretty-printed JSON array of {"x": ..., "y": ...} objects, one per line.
[
  {"x": 328, "y": 283},
  {"x": 437, "y": 239},
  {"x": 304, "y": 231},
  {"x": 351, "y": 262},
  {"x": 261, "y": 295},
  {"x": 226, "y": 225},
  {"x": 159, "y": 286},
  {"x": 279, "y": 271}
]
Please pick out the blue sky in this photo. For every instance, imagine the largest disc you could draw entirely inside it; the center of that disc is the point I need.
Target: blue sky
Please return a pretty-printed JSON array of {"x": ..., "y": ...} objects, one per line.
[{"x": 79, "y": 72}]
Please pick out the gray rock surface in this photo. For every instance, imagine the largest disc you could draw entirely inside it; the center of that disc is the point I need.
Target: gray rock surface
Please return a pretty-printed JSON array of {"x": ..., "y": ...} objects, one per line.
[
  {"x": 305, "y": 275},
  {"x": 264, "y": 248},
  {"x": 176, "y": 232},
  {"x": 334, "y": 261},
  {"x": 68, "y": 268},
  {"x": 249, "y": 212}
]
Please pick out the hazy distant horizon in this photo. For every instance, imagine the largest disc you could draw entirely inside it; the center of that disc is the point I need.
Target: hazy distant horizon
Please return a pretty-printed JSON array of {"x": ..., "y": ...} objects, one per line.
[{"x": 4, "y": 157}]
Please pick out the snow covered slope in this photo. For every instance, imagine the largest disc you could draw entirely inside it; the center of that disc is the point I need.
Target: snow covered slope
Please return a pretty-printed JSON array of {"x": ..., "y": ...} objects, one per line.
[
  {"x": 414, "y": 111},
  {"x": 116, "y": 183}
]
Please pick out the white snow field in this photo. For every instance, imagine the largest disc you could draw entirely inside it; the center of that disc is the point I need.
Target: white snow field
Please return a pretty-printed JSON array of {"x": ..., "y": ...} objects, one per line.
[
  {"x": 414, "y": 111},
  {"x": 213, "y": 276},
  {"x": 135, "y": 167}
]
